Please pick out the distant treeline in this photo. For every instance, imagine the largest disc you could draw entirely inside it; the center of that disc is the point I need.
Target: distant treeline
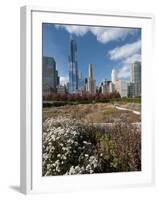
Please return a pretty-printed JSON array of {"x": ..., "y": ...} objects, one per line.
[
  {"x": 72, "y": 99},
  {"x": 80, "y": 97}
]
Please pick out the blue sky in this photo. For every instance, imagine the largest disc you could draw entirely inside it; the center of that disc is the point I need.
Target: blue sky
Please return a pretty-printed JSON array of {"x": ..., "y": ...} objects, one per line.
[{"x": 105, "y": 47}]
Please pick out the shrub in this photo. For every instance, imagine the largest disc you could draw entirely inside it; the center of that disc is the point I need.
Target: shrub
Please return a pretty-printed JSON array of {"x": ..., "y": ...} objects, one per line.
[
  {"x": 121, "y": 149},
  {"x": 67, "y": 148}
]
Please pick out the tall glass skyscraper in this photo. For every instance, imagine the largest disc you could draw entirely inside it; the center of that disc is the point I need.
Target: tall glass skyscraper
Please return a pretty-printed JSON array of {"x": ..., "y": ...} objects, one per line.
[{"x": 73, "y": 68}]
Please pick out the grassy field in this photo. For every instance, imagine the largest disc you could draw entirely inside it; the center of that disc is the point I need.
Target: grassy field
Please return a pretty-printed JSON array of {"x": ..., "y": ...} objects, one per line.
[{"x": 94, "y": 113}]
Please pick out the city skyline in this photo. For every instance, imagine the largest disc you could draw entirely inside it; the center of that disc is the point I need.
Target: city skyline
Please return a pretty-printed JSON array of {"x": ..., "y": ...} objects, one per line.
[{"x": 113, "y": 48}]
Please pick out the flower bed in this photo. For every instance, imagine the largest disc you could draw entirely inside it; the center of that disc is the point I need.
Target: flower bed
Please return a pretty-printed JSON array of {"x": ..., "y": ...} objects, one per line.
[{"x": 70, "y": 147}]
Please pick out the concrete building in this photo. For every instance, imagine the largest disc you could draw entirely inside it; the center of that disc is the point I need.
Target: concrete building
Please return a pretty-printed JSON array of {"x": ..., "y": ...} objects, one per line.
[
  {"x": 91, "y": 83},
  {"x": 136, "y": 78},
  {"x": 49, "y": 75},
  {"x": 121, "y": 86},
  {"x": 61, "y": 89},
  {"x": 106, "y": 87},
  {"x": 114, "y": 76},
  {"x": 111, "y": 87}
]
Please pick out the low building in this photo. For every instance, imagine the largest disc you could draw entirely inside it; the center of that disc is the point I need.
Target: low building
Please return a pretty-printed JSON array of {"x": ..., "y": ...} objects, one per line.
[
  {"x": 61, "y": 89},
  {"x": 105, "y": 85},
  {"x": 121, "y": 86}
]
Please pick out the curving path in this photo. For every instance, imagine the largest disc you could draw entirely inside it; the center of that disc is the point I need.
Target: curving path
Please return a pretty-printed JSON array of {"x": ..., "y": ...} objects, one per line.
[{"x": 133, "y": 111}]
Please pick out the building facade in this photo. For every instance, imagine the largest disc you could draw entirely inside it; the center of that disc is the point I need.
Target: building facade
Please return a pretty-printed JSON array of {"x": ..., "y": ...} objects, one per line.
[
  {"x": 61, "y": 89},
  {"x": 135, "y": 87},
  {"x": 106, "y": 87},
  {"x": 80, "y": 82},
  {"x": 91, "y": 83},
  {"x": 111, "y": 87},
  {"x": 73, "y": 68},
  {"x": 49, "y": 75},
  {"x": 121, "y": 86},
  {"x": 131, "y": 89}
]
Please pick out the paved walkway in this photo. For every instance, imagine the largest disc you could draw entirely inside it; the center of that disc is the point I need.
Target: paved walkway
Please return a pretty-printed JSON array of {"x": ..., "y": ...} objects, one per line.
[{"x": 133, "y": 111}]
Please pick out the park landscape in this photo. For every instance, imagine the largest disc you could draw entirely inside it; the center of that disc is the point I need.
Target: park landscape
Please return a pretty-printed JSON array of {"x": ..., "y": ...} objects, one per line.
[
  {"x": 91, "y": 138},
  {"x": 91, "y": 113}
]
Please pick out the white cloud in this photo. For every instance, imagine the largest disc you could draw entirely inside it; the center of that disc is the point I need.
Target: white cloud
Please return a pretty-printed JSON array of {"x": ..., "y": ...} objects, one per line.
[
  {"x": 103, "y": 34},
  {"x": 124, "y": 71},
  {"x": 77, "y": 30},
  {"x": 111, "y": 34},
  {"x": 64, "y": 80},
  {"x": 133, "y": 58},
  {"x": 125, "y": 51},
  {"x": 126, "y": 55}
]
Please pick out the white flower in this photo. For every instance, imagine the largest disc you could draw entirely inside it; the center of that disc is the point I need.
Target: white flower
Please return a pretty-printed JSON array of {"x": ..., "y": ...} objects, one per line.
[
  {"x": 76, "y": 143},
  {"x": 58, "y": 155},
  {"x": 72, "y": 170}
]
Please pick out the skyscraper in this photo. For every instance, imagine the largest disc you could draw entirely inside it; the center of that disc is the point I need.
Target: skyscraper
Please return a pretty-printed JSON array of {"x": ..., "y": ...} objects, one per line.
[
  {"x": 49, "y": 75},
  {"x": 91, "y": 83},
  {"x": 57, "y": 79},
  {"x": 136, "y": 78},
  {"x": 80, "y": 81},
  {"x": 73, "y": 68},
  {"x": 114, "y": 75}
]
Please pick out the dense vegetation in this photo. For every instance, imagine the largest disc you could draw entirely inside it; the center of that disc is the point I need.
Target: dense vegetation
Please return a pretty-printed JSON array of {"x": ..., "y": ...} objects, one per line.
[
  {"x": 72, "y": 147},
  {"x": 80, "y": 97}
]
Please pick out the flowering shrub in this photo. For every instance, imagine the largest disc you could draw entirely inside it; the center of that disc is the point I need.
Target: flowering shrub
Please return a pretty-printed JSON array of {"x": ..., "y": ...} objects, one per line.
[
  {"x": 70, "y": 147},
  {"x": 67, "y": 148}
]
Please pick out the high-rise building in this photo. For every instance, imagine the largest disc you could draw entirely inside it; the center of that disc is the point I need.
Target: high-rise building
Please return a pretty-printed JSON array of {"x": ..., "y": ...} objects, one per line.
[
  {"x": 131, "y": 88},
  {"x": 91, "y": 83},
  {"x": 80, "y": 81},
  {"x": 73, "y": 68},
  {"x": 114, "y": 76},
  {"x": 111, "y": 87},
  {"x": 49, "y": 75},
  {"x": 85, "y": 84},
  {"x": 136, "y": 78},
  {"x": 57, "y": 78}
]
